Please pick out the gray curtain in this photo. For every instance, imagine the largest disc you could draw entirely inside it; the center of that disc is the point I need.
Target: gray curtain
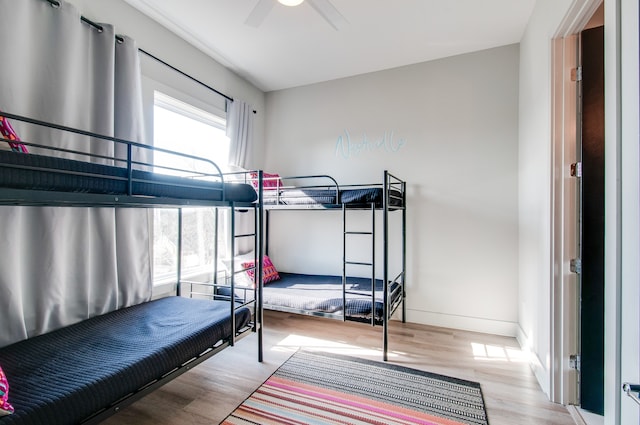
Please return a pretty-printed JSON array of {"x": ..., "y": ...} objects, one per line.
[
  {"x": 62, "y": 265},
  {"x": 240, "y": 131}
]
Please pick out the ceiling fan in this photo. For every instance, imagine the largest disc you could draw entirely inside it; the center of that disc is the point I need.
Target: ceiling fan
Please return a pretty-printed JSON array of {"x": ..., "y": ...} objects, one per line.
[{"x": 324, "y": 7}]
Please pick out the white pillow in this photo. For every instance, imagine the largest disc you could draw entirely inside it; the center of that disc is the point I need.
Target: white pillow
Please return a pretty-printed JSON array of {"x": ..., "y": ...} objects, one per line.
[
  {"x": 242, "y": 279},
  {"x": 234, "y": 173}
]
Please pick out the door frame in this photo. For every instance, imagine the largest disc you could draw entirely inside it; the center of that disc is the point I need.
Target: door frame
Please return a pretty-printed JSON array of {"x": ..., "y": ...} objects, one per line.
[
  {"x": 622, "y": 206},
  {"x": 564, "y": 203},
  {"x": 622, "y": 199}
]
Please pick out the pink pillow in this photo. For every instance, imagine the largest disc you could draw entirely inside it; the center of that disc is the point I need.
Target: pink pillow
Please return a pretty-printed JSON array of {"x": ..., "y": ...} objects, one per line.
[
  {"x": 9, "y": 133},
  {"x": 269, "y": 181},
  {"x": 269, "y": 271},
  {"x": 5, "y": 407}
]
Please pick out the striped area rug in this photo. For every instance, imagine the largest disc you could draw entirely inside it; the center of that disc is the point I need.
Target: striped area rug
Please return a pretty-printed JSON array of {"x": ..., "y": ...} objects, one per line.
[{"x": 321, "y": 388}]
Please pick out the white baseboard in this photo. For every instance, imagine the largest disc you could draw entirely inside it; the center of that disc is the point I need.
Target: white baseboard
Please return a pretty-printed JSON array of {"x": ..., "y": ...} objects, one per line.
[
  {"x": 474, "y": 324},
  {"x": 582, "y": 417},
  {"x": 541, "y": 372},
  {"x": 576, "y": 416}
]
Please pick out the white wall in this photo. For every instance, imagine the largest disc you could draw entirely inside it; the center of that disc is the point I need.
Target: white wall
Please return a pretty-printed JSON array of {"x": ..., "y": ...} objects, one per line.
[{"x": 451, "y": 130}]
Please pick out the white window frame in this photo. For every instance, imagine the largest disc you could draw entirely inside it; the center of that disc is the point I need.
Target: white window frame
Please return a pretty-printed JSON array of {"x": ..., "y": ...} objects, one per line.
[{"x": 166, "y": 282}]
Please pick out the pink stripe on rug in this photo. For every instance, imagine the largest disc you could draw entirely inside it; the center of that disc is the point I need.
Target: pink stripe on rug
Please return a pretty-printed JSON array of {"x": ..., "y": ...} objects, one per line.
[
  {"x": 384, "y": 409},
  {"x": 327, "y": 389},
  {"x": 318, "y": 409}
]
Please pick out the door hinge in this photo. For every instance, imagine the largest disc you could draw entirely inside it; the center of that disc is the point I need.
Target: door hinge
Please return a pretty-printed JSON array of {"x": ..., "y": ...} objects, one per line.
[
  {"x": 576, "y": 74},
  {"x": 576, "y": 169},
  {"x": 574, "y": 362},
  {"x": 575, "y": 265}
]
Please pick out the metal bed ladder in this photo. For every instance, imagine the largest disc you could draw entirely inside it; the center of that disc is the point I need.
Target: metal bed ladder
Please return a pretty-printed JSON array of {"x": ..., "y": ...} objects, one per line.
[
  {"x": 352, "y": 234},
  {"x": 229, "y": 280},
  {"x": 258, "y": 265},
  {"x": 390, "y": 182}
]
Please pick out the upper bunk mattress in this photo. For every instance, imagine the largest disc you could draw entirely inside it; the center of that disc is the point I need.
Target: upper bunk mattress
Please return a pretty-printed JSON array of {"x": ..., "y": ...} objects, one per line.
[
  {"x": 319, "y": 197},
  {"x": 64, "y": 376},
  {"x": 39, "y": 172}
]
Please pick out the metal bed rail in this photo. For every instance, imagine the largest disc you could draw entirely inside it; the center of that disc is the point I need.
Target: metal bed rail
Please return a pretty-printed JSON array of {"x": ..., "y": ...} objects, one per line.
[
  {"x": 229, "y": 279},
  {"x": 310, "y": 182},
  {"x": 128, "y": 156},
  {"x": 101, "y": 415},
  {"x": 130, "y": 199},
  {"x": 210, "y": 289},
  {"x": 393, "y": 199}
]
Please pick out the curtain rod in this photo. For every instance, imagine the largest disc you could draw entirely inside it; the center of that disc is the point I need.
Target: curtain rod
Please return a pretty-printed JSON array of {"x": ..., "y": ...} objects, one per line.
[
  {"x": 120, "y": 39},
  {"x": 185, "y": 74}
]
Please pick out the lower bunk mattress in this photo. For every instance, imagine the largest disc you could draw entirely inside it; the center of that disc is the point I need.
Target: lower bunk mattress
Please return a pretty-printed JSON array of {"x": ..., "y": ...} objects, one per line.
[
  {"x": 66, "y": 375},
  {"x": 322, "y": 295}
]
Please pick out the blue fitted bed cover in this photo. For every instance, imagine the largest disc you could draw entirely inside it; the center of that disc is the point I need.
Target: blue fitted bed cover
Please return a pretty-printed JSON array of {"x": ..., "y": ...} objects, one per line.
[{"x": 64, "y": 376}]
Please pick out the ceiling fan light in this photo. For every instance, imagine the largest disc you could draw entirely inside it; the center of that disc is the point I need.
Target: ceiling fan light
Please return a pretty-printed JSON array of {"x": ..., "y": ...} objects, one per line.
[{"x": 290, "y": 2}]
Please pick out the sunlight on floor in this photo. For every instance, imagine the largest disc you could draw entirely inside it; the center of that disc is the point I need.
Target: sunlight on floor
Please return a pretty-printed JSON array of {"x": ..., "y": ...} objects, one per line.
[
  {"x": 294, "y": 342},
  {"x": 498, "y": 353}
]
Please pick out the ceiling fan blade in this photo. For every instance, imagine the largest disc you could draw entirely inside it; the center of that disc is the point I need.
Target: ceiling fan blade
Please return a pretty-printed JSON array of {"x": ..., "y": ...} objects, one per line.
[
  {"x": 259, "y": 13},
  {"x": 329, "y": 13}
]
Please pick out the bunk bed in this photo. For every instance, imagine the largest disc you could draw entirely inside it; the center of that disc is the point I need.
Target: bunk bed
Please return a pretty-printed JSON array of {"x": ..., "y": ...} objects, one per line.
[
  {"x": 373, "y": 299},
  {"x": 85, "y": 372}
]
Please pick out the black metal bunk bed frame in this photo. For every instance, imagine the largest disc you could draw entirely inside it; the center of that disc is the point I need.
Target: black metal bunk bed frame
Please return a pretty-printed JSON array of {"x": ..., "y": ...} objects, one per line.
[
  {"x": 11, "y": 196},
  {"x": 393, "y": 199}
]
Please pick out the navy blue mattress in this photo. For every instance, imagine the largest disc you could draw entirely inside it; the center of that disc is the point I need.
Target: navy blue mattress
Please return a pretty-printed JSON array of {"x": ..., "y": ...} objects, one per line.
[
  {"x": 65, "y": 376},
  {"x": 319, "y": 197},
  {"x": 323, "y": 294},
  {"x": 39, "y": 172}
]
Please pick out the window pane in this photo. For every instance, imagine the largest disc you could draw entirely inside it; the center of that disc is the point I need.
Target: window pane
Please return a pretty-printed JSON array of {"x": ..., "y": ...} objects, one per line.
[
  {"x": 183, "y": 128},
  {"x": 183, "y": 134}
]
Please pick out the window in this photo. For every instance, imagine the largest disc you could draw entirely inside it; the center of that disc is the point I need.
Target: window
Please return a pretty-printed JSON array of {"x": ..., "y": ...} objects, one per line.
[{"x": 181, "y": 127}]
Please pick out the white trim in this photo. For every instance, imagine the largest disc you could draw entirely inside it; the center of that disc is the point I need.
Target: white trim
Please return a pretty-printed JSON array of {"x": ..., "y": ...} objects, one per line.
[
  {"x": 155, "y": 86},
  {"x": 576, "y": 416},
  {"x": 564, "y": 291},
  {"x": 577, "y": 17},
  {"x": 582, "y": 417},
  {"x": 622, "y": 321},
  {"x": 163, "y": 100},
  {"x": 564, "y": 214},
  {"x": 467, "y": 323},
  {"x": 536, "y": 365},
  {"x": 613, "y": 220},
  {"x": 147, "y": 7}
]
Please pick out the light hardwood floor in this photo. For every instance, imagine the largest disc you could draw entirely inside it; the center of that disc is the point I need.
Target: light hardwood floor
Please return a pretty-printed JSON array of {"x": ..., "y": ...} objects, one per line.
[{"x": 208, "y": 393}]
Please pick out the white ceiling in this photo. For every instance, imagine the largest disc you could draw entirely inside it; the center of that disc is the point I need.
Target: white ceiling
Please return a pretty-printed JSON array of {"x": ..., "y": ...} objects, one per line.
[{"x": 295, "y": 46}]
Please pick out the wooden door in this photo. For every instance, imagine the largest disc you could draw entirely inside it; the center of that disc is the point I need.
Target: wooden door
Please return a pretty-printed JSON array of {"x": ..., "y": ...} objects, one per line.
[{"x": 592, "y": 234}]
